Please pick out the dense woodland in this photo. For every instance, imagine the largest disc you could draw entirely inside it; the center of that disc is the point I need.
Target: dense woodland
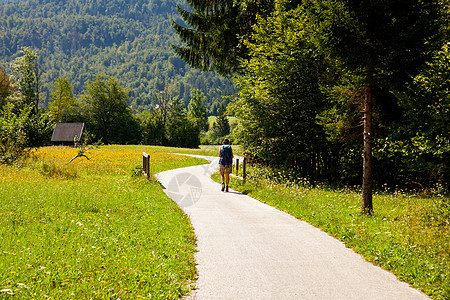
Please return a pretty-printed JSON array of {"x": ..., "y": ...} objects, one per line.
[
  {"x": 341, "y": 91},
  {"x": 129, "y": 40}
]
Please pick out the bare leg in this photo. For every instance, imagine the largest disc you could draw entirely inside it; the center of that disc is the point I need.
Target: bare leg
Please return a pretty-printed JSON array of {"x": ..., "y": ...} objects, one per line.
[
  {"x": 223, "y": 181},
  {"x": 228, "y": 181}
]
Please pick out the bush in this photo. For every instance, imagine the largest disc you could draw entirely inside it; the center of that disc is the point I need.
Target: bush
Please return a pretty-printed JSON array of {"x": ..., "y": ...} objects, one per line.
[
  {"x": 20, "y": 131},
  {"x": 13, "y": 137}
]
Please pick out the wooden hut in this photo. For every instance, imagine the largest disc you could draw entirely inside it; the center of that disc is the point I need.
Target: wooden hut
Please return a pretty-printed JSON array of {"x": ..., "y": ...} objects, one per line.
[{"x": 66, "y": 134}]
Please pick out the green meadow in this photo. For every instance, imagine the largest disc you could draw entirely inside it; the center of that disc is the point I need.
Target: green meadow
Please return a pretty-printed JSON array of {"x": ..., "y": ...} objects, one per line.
[
  {"x": 407, "y": 234},
  {"x": 97, "y": 229},
  {"x": 212, "y": 120},
  {"x": 93, "y": 229}
]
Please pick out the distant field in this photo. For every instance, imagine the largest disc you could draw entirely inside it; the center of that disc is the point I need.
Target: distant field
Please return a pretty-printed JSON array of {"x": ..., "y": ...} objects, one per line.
[
  {"x": 212, "y": 119},
  {"x": 93, "y": 229},
  {"x": 209, "y": 150}
]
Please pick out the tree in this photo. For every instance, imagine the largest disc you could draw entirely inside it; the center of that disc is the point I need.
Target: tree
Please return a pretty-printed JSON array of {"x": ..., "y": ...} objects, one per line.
[
  {"x": 181, "y": 131},
  {"x": 428, "y": 99},
  {"x": 27, "y": 78},
  {"x": 280, "y": 97},
  {"x": 107, "y": 114},
  {"x": 383, "y": 41},
  {"x": 420, "y": 142},
  {"x": 153, "y": 128},
  {"x": 214, "y": 32},
  {"x": 221, "y": 127},
  {"x": 24, "y": 99},
  {"x": 13, "y": 139},
  {"x": 62, "y": 99},
  {"x": 22, "y": 130},
  {"x": 6, "y": 86},
  {"x": 197, "y": 110}
]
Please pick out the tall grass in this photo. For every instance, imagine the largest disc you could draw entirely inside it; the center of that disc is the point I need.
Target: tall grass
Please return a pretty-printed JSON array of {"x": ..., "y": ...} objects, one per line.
[
  {"x": 91, "y": 230},
  {"x": 408, "y": 234}
]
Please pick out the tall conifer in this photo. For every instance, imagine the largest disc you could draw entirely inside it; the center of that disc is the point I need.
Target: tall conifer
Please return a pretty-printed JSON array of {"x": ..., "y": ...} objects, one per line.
[
  {"x": 383, "y": 41},
  {"x": 212, "y": 38}
]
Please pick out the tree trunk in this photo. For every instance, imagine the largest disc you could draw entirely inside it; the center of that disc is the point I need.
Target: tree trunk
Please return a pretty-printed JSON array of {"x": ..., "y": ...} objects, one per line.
[
  {"x": 37, "y": 74},
  {"x": 367, "y": 182}
]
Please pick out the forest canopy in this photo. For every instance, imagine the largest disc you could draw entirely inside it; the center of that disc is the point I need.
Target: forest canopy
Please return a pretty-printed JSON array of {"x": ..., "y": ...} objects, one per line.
[{"x": 334, "y": 90}]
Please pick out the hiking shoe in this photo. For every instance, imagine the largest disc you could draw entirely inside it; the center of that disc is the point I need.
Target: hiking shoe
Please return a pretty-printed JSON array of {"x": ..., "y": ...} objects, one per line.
[
  {"x": 226, "y": 189},
  {"x": 223, "y": 187}
]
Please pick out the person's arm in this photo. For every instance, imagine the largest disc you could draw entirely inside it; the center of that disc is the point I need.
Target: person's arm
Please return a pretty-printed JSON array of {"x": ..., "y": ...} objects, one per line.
[
  {"x": 220, "y": 151},
  {"x": 232, "y": 155}
]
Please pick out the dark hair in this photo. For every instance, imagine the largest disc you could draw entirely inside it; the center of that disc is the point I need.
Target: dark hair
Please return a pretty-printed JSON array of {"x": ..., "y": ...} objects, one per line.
[{"x": 226, "y": 141}]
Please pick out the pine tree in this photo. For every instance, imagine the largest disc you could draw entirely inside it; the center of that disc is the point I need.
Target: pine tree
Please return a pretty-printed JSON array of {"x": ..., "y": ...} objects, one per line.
[
  {"x": 215, "y": 28},
  {"x": 382, "y": 41},
  {"x": 27, "y": 77},
  {"x": 221, "y": 125},
  {"x": 197, "y": 110}
]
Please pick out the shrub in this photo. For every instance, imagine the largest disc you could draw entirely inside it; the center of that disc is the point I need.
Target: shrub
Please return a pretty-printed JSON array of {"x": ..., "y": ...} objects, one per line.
[{"x": 13, "y": 138}]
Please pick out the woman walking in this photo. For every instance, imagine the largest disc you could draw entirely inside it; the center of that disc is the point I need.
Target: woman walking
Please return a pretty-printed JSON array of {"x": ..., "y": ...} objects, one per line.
[{"x": 226, "y": 163}]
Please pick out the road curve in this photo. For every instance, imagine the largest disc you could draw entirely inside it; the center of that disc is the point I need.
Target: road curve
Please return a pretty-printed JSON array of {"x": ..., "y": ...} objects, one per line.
[{"x": 249, "y": 250}]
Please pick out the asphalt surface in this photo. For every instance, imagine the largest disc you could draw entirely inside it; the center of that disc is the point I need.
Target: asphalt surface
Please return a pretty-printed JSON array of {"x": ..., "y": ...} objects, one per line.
[{"x": 249, "y": 250}]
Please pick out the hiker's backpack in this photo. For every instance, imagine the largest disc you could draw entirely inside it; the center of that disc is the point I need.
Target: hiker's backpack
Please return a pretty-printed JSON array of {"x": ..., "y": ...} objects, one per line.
[{"x": 226, "y": 155}]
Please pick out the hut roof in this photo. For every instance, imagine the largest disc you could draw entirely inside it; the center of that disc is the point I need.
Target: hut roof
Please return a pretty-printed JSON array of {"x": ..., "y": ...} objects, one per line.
[{"x": 65, "y": 132}]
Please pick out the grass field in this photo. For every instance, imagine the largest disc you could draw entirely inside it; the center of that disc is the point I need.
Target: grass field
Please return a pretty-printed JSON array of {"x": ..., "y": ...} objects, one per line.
[
  {"x": 93, "y": 229},
  {"x": 408, "y": 234},
  {"x": 212, "y": 119},
  {"x": 209, "y": 150}
]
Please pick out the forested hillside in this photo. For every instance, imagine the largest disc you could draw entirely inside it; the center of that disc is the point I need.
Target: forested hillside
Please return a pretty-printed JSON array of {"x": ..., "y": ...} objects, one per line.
[{"x": 130, "y": 41}]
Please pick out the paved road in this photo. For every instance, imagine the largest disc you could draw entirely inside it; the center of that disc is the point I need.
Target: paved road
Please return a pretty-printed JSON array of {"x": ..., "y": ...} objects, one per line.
[{"x": 249, "y": 250}]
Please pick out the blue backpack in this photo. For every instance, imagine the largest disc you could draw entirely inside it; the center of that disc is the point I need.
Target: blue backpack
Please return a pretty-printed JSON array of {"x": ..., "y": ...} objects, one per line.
[{"x": 226, "y": 155}]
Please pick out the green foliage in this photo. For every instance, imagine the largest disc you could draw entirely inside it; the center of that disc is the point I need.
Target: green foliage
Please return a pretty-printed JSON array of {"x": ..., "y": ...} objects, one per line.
[
  {"x": 417, "y": 150},
  {"x": 25, "y": 69},
  {"x": 197, "y": 110},
  {"x": 63, "y": 100},
  {"x": 21, "y": 131},
  {"x": 6, "y": 86},
  {"x": 108, "y": 117},
  {"x": 382, "y": 41},
  {"x": 429, "y": 99},
  {"x": 22, "y": 127},
  {"x": 13, "y": 138},
  {"x": 130, "y": 40},
  {"x": 170, "y": 124},
  {"x": 310, "y": 67},
  {"x": 394, "y": 37},
  {"x": 221, "y": 126},
  {"x": 213, "y": 34},
  {"x": 280, "y": 97},
  {"x": 181, "y": 130},
  {"x": 39, "y": 129},
  {"x": 152, "y": 125}
]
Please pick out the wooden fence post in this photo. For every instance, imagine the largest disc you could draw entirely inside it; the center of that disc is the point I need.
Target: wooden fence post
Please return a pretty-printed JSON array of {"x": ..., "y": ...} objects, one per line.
[
  {"x": 237, "y": 166},
  {"x": 146, "y": 164},
  {"x": 244, "y": 166}
]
